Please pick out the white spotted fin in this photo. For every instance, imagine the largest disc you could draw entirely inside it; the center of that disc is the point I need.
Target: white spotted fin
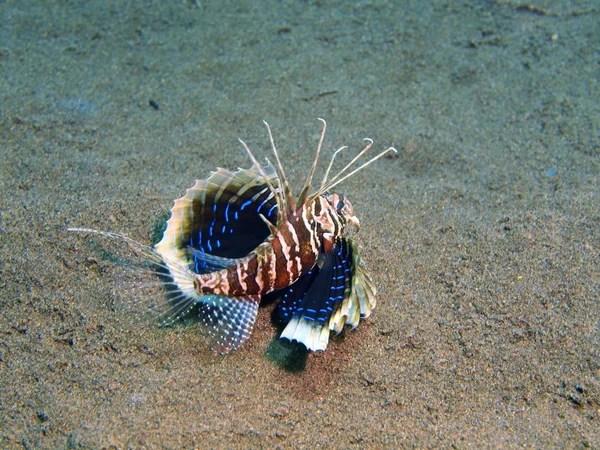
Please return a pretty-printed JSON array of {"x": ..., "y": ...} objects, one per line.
[{"x": 228, "y": 320}]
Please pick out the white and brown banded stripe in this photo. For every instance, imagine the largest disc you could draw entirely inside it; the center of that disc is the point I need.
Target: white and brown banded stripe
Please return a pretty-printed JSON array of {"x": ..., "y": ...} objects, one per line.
[
  {"x": 294, "y": 248},
  {"x": 291, "y": 252}
]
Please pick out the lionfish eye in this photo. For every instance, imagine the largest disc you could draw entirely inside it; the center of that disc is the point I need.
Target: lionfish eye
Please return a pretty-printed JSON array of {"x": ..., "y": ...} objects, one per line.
[{"x": 340, "y": 205}]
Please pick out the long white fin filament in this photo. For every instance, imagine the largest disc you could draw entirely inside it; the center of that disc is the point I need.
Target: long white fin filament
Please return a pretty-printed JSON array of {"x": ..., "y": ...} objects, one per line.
[
  {"x": 287, "y": 193},
  {"x": 277, "y": 192},
  {"x": 147, "y": 251},
  {"x": 331, "y": 164},
  {"x": 182, "y": 276},
  {"x": 326, "y": 185},
  {"x": 304, "y": 193}
]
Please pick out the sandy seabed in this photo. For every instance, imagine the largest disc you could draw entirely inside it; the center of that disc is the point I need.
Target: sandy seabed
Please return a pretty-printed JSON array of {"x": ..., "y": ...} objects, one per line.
[{"x": 482, "y": 234}]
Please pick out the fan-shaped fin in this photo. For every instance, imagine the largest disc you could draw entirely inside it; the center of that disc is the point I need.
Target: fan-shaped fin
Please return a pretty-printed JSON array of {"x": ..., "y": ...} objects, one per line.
[
  {"x": 337, "y": 291},
  {"x": 229, "y": 321},
  {"x": 221, "y": 216},
  {"x": 361, "y": 301}
]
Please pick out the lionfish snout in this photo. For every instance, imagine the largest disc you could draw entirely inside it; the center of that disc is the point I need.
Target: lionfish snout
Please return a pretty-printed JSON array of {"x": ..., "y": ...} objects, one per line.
[{"x": 353, "y": 224}]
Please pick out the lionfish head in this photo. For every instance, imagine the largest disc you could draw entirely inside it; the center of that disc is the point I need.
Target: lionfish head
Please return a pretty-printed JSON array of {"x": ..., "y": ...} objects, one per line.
[{"x": 345, "y": 212}]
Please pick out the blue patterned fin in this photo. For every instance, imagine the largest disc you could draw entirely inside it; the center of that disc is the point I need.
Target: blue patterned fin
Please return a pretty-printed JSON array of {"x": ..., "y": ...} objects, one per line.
[
  {"x": 228, "y": 321},
  {"x": 221, "y": 216},
  {"x": 315, "y": 294},
  {"x": 309, "y": 304}
]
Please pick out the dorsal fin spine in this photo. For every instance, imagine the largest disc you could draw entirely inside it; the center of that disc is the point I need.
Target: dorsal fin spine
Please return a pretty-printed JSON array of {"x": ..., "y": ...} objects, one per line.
[
  {"x": 362, "y": 152},
  {"x": 331, "y": 164},
  {"x": 304, "y": 193},
  {"x": 326, "y": 185},
  {"x": 288, "y": 198},
  {"x": 276, "y": 192}
]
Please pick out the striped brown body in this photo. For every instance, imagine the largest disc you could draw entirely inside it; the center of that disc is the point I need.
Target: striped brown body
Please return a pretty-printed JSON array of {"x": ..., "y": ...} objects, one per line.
[{"x": 284, "y": 257}]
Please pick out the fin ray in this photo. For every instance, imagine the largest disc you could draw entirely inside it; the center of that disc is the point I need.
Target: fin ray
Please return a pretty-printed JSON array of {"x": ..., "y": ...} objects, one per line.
[{"x": 228, "y": 321}]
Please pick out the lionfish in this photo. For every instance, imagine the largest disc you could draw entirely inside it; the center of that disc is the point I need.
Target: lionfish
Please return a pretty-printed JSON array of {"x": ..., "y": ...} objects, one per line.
[{"x": 237, "y": 236}]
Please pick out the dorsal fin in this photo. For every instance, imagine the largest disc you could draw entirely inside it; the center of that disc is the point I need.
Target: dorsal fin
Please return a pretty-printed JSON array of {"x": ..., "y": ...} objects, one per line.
[{"x": 285, "y": 199}]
